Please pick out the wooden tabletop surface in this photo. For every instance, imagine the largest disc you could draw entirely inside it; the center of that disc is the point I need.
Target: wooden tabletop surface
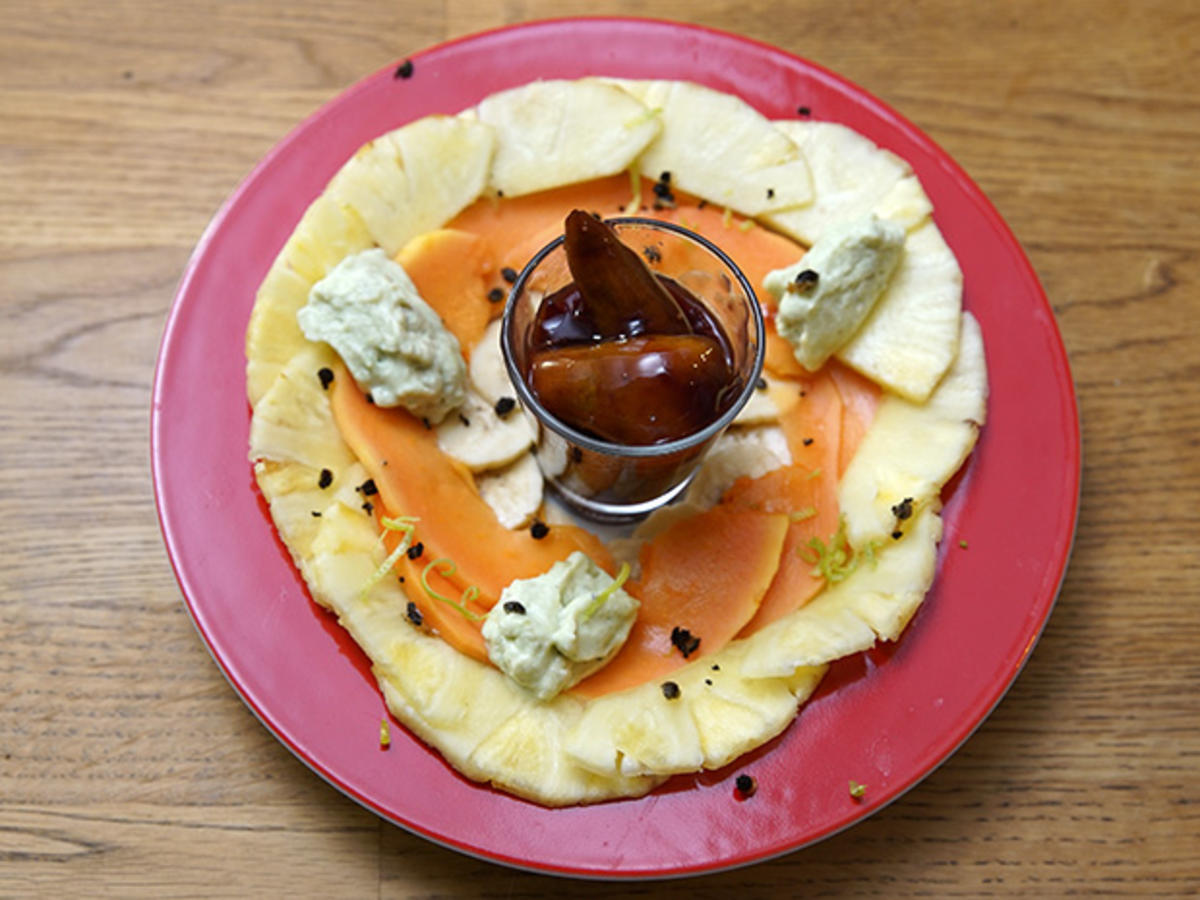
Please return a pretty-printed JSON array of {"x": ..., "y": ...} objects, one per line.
[{"x": 129, "y": 766}]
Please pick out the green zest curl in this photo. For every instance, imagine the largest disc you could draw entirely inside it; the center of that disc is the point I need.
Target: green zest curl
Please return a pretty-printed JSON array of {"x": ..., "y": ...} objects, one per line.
[
  {"x": 467, "y": 596},
  {"x": 836, "y": 561},
  {"x": 601, "y": 598},
  {"x": 405, "y": 524}
]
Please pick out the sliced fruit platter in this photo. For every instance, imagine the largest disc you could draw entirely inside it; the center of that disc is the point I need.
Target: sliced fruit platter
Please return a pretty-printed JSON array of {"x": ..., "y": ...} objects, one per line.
[
  {"x": 324, "y": 676},
  {"x": 809, "y": 533}
]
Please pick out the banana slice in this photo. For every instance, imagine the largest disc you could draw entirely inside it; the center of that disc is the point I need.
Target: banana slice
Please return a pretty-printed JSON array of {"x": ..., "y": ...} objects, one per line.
[
  {"x": 514, "y": 493},
  {"x": 553, "y": 133},
  {"x": 487, "y": 371},
  {"x": 718, "y": 147},
  {"x": 852, "y": 177},
  {"x": 416, "y": 178},
  {"x": 480, "y": 438},
  {"x": 767, "y": 404}
]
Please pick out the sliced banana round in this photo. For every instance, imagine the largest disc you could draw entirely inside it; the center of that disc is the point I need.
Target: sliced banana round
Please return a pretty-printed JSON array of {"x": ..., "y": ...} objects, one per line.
[
  {"x": 479, "y": 437},
  {"x": 487, "y": 371},
  {"x": 514, "y": 493},
  {"x": 767, "y": 403}
]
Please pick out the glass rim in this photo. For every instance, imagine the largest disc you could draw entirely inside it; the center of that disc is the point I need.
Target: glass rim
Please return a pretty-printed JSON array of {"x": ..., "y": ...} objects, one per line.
[{"x": 644, "y": 451}]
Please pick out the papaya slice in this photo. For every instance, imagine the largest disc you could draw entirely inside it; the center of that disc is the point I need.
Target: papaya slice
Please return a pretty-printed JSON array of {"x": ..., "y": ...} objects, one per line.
[
  {"x": 860, "y": 399},
  {"x": 706, "y": 574},
  {"x": 452, "y": 271},
  {"x": 414, "y": 478}
]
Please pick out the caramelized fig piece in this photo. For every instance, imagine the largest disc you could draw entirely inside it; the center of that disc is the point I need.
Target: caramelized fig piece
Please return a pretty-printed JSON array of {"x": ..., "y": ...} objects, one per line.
[
  {"x": 621, "y": 297},
  {"x": 643, "y": 390}
]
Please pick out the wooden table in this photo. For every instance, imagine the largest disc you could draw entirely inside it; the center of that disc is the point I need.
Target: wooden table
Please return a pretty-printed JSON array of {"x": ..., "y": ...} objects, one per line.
[{"x": 130, "y": 767}]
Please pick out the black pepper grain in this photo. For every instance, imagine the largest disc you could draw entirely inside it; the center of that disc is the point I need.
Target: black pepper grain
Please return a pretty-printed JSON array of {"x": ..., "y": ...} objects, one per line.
[
  {"x": 404, "y": 70},
  {"x": 670, "y": 690},
  {"x": 538, "y": 529},
  {"x": 368, "y": 507},
  {"x": 770, "y": 193},
  {"x": 746, "y": 786},
  {"x": 415, "y": 551},
  {"x": 325, "y": 480},
  {"x": 804, "y": 281},
  {"x": 897, "y": 534},
  {"x": 370, "y": 399},
  {"x": 684, "y": 641},
  {"x": 326, "y": 375},
  {"x": 904, "y": 509},
  {"x": 509, "y": 274},
  {"x": 414, "y": 614},
  {"x": 716, "y": 668},
  {"x": 513, "y": 606},
  {"x": 761, "y": 384},
  {"x": 807, "y": 442},
  {"x": 504, "y": 406},
  {"x": 315, "y": 514},
  {"x": 652, "y": 254},
  {"x": 803, "y": 111},
  {"x": 368, "y": 488},
  {"x": 496, "y": 295}
]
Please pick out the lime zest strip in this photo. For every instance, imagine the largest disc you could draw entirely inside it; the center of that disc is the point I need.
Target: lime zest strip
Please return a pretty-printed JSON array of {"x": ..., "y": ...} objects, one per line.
[
  {"x": 404, "y": 524},
  {"x": 601, "y": 598},
  {"x": 467, "y": 596},
  {"x": 836, "y": 560}
]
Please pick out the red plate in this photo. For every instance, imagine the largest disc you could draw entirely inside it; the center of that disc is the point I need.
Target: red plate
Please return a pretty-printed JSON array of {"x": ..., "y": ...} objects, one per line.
[{"x": 884, "y": 718}]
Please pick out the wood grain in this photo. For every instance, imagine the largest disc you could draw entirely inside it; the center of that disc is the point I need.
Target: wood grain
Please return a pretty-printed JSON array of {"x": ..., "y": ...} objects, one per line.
[{"x": 130, "y": 768}]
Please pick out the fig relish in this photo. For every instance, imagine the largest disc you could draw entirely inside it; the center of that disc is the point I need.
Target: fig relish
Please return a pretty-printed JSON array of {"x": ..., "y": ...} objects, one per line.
[{"x": 625, "y": 354}]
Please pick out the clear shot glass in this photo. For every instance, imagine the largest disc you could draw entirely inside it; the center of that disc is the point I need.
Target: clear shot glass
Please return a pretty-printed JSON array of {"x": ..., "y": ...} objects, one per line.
[{"x": 613, "y": 482}]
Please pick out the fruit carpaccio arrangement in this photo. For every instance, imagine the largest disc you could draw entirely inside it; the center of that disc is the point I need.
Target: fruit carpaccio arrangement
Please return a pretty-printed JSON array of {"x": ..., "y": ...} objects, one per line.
[{"x": 809, "y": 533}]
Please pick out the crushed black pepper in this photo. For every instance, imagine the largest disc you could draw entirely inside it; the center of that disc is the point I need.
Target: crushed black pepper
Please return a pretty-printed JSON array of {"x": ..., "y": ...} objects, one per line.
[
  {"x": 504, "y": 406},
  {"x": 414, "y": 614},
  {"x": 315, "y": 514},
  {"x": 368, "y": 507},
  {"x": 803, "y": 111},
  {"x": 652, "y": 254},
  {"x": 466, "y": 422},
  {"x": 804, "y": 282},
  {"x": 670, "y": 690},
  {"x": 716, "y": 668},
  {"x": 326, "y": 375},
  {"x": 708, "y": 681},
  {"x": 807, "y": 442},
  {"x": 746, "y": 786},
  {"x": 904, "y": 509},
  {"x": 761, "y": 384},
  {"x": 509, "y": 274},
  {"x": 897, "y": 534},
  {"x": 539, "y": 529},
  {"x": 404, "y": 70},
  {"x": 514, "y": 606},
  {"x": 426, "y": 423},
  {"x": 325, "y": 480},
  {"x": 662, "y": 191},
  {"x": 684, "y": 641},
  {"x": 415, "y": 551},
  {"x": 495, "y": 295},
  {"x": 770, "y": 193},
  {"x": 370, "y": 399},
  {"x": 368, "y": 488}
]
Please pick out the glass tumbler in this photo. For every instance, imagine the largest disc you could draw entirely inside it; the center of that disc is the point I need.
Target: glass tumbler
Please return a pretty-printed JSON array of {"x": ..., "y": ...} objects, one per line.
[{"x": 612, "y": 482}]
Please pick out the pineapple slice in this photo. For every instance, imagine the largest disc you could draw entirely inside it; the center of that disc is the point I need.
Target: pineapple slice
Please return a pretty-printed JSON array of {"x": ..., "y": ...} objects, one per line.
[
  {"x": 702, "y": 717},
  {"x": 874, "y": 603},
  {"x": 912, "y": 450},
  {"x": 293, "y": 422},
  {"x": 552, "y": 133},
  {"x": 911, "y": 336},
  {"x": 416, "y": 178},
  {"x": 852, "y": 178},
  {"x": 718, "y": 147}
]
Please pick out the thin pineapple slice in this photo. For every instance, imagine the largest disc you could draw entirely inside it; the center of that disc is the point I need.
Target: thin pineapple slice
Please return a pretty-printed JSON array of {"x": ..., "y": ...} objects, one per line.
[
  {"x": 702, "y": 717},
  {"x": 553, "y": 133},
  {"x": 874, "y": 603},
  {"x": 525, "y": 756},
  {"x": 911, "y": 336},
  {"x": 293, "y": 422},
  {"x": 852, "y": 178},
  {"x": 718, "y": 147},
  {"x": 416, "y": 178},
  {"x": 912, "y": 450}
]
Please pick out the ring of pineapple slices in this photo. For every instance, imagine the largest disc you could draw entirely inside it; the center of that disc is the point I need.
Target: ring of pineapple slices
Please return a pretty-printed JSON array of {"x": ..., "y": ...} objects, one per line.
[{"x": 798, "y": 178}]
